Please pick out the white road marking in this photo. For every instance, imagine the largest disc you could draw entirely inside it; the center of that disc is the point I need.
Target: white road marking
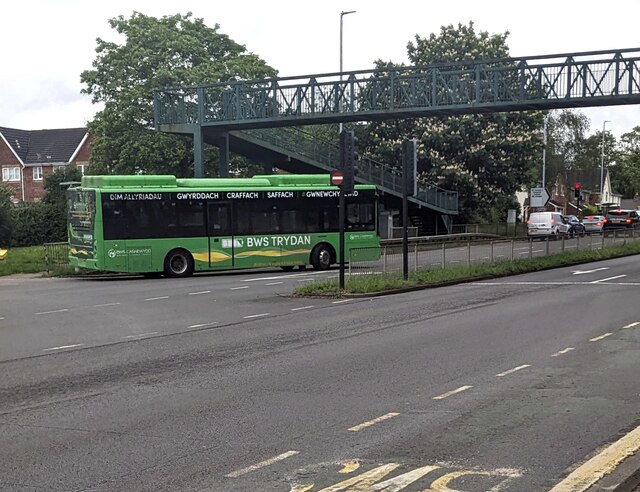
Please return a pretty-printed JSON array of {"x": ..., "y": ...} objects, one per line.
[
  {"x": 582, "y": 272},
  {"x": 340, "y": 302},
  {"x": 256, "y": 315},
  {"x": 510, "y": 371},
  {"x": 238, "y": 288},
  {"x": 563, "y": 351},
  {"x": 203, "y": 324},
  {"x": 373, "y": 422},
  {"x": 2, "y": 317},
  {"x": 301, "y": 308},
  {"x": 62, "y": 347},
  {"x": 274, "y": 283},
  {"x": 157, "y": 298},
  {"x": 141, "y": 335},
  {"x": 452, "y": 392},
  {"x": 199, "y": 293},
  {"x": 605, "y": 279},
  {"x": 51, "y": 312},
  {"x": 262, "y": 464},
  {"x": 107, "y": 304},
  {"x": 630, "y": 325},
  {"x": 600, "y": 337},
  {"x": 608, "y": 284},
  {"x": 306, "y": 280},
  {"x": 293, "y": 275}
]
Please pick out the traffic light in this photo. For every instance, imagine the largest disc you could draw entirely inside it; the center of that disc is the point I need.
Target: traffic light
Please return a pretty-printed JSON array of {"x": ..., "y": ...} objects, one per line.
[
  {"x": 576, "y": 191},
  {"x": 409, "y": 166},
  {"x": 348, "y": 156}
]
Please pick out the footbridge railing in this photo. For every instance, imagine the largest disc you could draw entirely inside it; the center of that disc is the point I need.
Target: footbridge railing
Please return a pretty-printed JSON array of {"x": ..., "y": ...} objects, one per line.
[{"x": 583, "y": 79}]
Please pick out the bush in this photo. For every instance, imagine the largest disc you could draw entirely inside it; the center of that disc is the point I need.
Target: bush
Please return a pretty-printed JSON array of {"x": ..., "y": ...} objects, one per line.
[{"x": 38, "y": 223}]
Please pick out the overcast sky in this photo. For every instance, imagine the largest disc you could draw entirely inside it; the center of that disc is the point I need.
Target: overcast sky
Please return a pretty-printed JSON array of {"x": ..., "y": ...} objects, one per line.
[{"x": 47, "y": 44}]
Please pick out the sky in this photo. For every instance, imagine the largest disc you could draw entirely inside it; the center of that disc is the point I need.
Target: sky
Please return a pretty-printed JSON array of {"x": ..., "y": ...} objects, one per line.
[{"x": 47, "y": 44}]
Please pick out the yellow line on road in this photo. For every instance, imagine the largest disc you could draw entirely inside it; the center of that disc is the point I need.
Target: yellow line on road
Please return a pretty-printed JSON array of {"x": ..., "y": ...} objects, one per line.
[
  {"x": 373, "y": 422},
  {"x": 600, "y": 337},
  {"x": 262, "y": 464},
  {"x": 452, "y": 392},
  {"x": 604, "y": 463}
]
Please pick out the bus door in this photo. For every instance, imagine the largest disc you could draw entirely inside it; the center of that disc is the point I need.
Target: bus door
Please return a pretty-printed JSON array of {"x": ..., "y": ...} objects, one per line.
[{"x": 221, "y": 240}]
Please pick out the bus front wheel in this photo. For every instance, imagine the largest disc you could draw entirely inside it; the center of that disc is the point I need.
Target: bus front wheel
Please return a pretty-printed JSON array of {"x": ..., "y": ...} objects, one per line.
[
  {"x": 178, "y": 263},
  {"x": 322, "y": 257}
]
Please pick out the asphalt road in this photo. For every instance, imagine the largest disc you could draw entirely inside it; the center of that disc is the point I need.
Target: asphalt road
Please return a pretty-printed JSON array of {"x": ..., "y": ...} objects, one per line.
[{"x": 501, "y": 385}]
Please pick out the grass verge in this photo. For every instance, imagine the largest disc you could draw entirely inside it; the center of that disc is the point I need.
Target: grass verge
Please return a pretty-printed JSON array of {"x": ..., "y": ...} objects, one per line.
[
  {"x": 368, "y": 284},
  {"x": 23, "y": 260}
]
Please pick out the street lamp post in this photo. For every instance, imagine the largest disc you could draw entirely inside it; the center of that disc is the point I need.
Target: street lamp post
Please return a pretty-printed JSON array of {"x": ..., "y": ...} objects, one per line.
[
  {"x": 602, "y": 164},
  {"x": 342, "y": 14}
]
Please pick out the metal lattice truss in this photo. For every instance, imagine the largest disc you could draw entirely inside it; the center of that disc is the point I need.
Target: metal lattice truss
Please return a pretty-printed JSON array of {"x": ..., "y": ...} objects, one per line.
[{"x": 599, "y": 78}]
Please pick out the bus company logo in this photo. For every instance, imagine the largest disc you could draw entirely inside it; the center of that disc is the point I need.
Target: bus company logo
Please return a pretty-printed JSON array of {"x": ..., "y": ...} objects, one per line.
[{"x": 112, "y": 253}]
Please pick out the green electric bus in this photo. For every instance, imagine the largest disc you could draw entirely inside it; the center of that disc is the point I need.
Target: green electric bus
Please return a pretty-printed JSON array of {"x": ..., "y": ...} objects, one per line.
[{"x": 162, "y": 224}]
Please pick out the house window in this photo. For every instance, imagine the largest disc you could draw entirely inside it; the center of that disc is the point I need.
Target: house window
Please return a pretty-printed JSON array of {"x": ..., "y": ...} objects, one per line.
[
  {"x": 81, "y": 167},
  {"x": 37, "y": 173},
  {"x": 58, "y": 167},
  {"x": 10, "y": 174}
]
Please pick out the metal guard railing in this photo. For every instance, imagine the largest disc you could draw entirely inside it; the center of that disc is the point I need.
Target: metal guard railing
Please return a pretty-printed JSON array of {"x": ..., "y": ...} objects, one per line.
[{"x": 367, "y": 170}]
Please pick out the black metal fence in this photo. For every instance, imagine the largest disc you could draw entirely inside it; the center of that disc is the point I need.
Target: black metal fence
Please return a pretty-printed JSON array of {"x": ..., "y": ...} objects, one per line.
[{"x": 56, "y": 256}]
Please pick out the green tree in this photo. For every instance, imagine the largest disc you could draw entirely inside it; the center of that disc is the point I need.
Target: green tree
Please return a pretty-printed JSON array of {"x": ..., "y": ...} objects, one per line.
[
  {"x": 625, "y": 171},
  {"x": 161, "y": 52},
  {"x": 485, "y": 157},
  {"x": 566, "y": 135}
]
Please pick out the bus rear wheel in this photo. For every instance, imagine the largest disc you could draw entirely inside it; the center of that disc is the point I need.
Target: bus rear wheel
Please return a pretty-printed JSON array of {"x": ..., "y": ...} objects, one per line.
[
  {"x": 178, "y": 263},
  {"x": 322, "y": 257}
]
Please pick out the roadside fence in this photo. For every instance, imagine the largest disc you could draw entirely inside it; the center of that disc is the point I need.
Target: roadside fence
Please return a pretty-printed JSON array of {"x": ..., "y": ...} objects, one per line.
[
  {"x": 508, "y": 229},
  {"x": 56, "y": 256},
  {"x": 365, "y": 261}
]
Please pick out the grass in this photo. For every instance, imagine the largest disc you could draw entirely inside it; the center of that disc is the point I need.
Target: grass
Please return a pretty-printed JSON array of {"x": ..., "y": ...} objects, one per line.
[
  {"x": 368, "y": 284},
  {"x": 23, "y": 260}
]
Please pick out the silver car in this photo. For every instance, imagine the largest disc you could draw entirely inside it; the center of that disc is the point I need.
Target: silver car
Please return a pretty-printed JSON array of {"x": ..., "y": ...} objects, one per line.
[{"x": 594, "y": 223}]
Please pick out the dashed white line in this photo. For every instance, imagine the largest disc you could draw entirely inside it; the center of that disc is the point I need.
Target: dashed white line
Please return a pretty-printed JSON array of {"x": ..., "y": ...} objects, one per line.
[
  {"x": 511, "y": 371},
  {"x": 51, "y": 312},
  {"x": 203, "y": 324},
  {"x": 341, "y": 301},
  {"x": 274, "y": 283},
  {"x": 373, "y": 422},
  {"x": 306, "y": 280},
  {"x": 62, "y": 347},
  {"x": 107, "y": 304},
  {"x": 238, "y": 288},
  {"x": 1, "y": 317},
  {"x": 156, "y": 298},
  {"x": 630, "y": 325},
  {"x": 141, "y": 335},
  {"x": 600, "y": 337},
  {"x": 262, "y": 464},
  {"x": 256, "y": 315},
  {"x": 199, "y": 293},
  {"x": 452, "y": 392},
  {"x": 563, "y": 351},
  {"x": 301, "y": 308},
  {"x": 605, "y": 279}
]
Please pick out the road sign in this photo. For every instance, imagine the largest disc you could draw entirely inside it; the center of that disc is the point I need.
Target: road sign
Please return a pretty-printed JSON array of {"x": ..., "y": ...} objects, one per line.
[
  {"x": 538, "y": 197},
  {"x": 337, "y": 177}
]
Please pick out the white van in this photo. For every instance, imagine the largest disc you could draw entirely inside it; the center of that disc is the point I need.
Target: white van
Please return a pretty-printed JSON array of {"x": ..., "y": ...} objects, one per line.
[{"x": 547, "y": 224}]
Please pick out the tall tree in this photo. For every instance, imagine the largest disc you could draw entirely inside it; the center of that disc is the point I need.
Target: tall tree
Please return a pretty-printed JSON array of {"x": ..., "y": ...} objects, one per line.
[
  {"x": 156, "y": 53},
  {"x": 485, "y": 157},
  {"x": 625, "y": 171},
  {"x": 566, "y": 136},
  {"x": 6, "y": 193}
]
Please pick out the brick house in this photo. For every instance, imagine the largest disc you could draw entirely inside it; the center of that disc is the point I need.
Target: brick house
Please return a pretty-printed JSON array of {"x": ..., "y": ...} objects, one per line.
[{"x": 27, "y": 156}]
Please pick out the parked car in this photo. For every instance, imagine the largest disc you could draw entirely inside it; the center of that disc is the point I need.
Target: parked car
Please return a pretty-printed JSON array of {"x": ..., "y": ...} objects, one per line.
[
  {"x": 594, "y": 223},
  {"x": 551, "y": 224},
  {"x": 575, "y": 225},
  {"x": 622, "y": 219}
]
